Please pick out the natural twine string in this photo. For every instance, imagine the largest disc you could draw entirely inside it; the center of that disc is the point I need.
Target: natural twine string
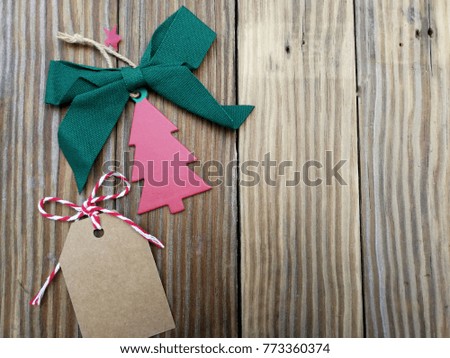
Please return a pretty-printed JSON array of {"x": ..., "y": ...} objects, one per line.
[{"x": 104, "y": 50}]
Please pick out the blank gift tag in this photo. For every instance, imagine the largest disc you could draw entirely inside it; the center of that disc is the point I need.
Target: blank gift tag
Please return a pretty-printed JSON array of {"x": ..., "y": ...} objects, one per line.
[{"x": 113, "y": 281}]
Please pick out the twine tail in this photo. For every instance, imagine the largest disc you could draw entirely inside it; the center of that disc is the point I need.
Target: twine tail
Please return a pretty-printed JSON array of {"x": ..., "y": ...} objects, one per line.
[{"x": 36, "y": 301}]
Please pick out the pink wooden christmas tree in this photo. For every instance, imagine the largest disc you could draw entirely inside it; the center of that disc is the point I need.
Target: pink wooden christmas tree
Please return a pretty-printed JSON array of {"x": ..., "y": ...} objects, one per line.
[{"x": 161, "y": 160}]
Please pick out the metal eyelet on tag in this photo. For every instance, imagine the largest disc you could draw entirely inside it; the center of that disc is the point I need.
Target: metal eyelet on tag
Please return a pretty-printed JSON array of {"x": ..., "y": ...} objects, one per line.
[{"x": 139, "y": 95}]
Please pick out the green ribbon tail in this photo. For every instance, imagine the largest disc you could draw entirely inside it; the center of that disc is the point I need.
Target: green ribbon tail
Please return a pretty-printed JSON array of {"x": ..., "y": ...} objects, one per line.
[
  {"x": 180, "y": 86},
  {"x": 87, "y": 125},
  {"x": 238, "y": 113}
]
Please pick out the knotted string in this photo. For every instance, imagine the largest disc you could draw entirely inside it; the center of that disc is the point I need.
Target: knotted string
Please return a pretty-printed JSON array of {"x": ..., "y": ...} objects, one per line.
[{"x": 91, "y": 210}]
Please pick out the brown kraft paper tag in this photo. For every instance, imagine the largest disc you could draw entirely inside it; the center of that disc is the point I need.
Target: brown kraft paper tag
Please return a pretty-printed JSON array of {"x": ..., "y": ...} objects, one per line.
[{"x": 113, "y": 281}]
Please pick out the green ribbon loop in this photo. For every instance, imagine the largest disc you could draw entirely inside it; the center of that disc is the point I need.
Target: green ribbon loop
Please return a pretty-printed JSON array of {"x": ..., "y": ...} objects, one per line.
[{"x": 97, "y": 96}]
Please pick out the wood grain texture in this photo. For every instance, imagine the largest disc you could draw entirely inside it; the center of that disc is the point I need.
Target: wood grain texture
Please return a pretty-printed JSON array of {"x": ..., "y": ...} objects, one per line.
[
  {"x": 368, "y": 257},
  {"x": 198, "y": 267},
  {"x": 30, "y": 245},
  {"x": 301, "y": 273},
  {"x": 403, "y": 75}
]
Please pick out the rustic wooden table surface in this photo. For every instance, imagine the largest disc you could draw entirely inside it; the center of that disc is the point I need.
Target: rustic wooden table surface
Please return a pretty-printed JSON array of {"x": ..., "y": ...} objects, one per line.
[{"x": 366, "y": 82}]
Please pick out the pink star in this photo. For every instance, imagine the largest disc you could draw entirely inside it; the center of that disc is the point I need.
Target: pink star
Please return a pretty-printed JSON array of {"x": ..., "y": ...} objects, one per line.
[{"x": 112, "y": 38}]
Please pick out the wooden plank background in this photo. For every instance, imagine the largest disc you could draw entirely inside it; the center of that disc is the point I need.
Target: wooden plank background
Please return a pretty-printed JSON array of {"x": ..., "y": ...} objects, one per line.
[
  {"x": 359, "y": 81},
  {"x": 301, "y": 273},
  {"x": 404, "y": 130}
]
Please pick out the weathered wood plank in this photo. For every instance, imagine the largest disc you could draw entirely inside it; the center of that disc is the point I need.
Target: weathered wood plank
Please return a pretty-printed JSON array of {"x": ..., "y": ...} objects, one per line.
[
  {"x": 403, "y": 75},
  {"x": 32, "y": 163},
  {"x": 301, "y": 273},
  {"x": 198, "y": 267}
]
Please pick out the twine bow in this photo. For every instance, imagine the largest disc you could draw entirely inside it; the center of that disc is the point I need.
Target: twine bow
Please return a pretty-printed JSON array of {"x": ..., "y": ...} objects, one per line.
[
  {"x": 97, "y": 96},
  {"x": 91, "y": 210}
]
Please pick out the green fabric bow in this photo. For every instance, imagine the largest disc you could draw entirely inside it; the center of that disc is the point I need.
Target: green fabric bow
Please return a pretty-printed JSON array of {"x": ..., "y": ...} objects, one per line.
[{"x": 97, "y": 96}]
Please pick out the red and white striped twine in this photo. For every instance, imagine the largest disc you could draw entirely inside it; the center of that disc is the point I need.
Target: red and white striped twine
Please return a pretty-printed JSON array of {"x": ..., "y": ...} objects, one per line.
[{"x": 90, "y": 209}]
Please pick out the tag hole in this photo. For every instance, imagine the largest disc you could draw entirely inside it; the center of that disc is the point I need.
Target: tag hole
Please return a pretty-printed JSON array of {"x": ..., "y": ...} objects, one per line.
[
  {"x": 98, "y": 232},
  {"x": 139, "y": 95}
]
